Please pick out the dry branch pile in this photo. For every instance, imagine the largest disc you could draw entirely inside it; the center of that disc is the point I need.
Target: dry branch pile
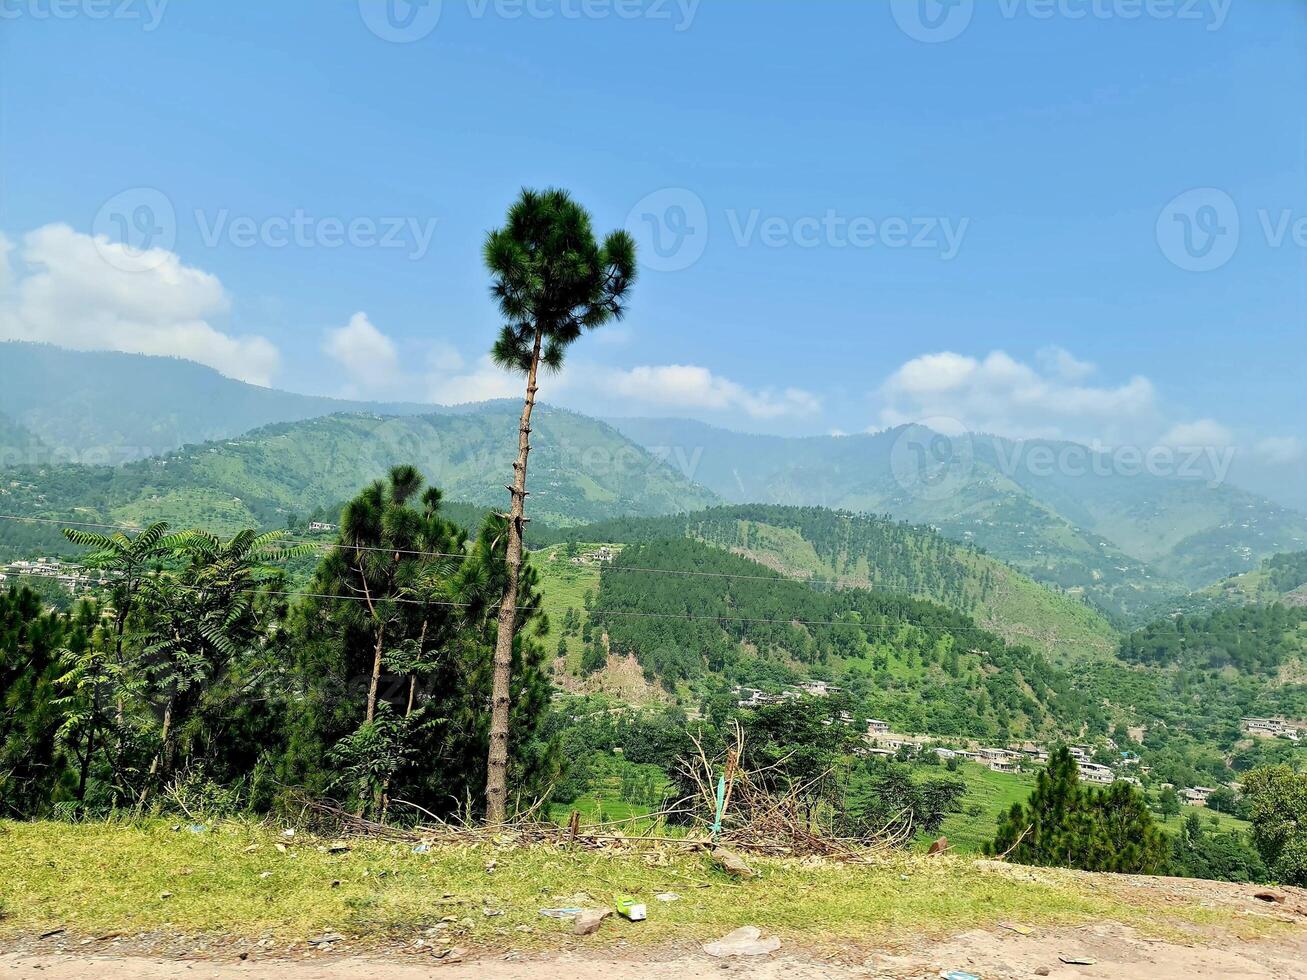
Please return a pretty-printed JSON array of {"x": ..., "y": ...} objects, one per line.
[{"x": 757, "y": 818}]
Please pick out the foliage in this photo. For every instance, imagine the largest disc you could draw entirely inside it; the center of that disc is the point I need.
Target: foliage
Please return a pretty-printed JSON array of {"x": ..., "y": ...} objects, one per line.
[
  {"x": 1065, "y": 824},
  {"x": 833, "y": 549},
  {"x": 196, "y": 680},
  {"x": 908, "y": 661},
  {"x": 392, "y": 658},
  {"x": 1199, "y": 853},
  {"x": 1278, "y": 803}
]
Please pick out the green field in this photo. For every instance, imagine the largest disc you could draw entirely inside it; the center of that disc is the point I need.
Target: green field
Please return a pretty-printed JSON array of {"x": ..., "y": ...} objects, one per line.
[
  {"x": 564, "y": 586},
  {"x": 991, "y": 793},
  {"x": 988, "y": 794}
]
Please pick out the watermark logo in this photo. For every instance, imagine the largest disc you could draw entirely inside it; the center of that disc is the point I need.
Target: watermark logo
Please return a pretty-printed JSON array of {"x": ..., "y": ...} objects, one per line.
[
  {"x": 136, "y": 229},
  {"x": 1198, "y": 231},
  {"x": 936, "y": 21},
  {"x": 932, "y": 21},
  {"x": 670, "y": 227},
  {"x": 149, "y": 13},
  {"x": 933, "y": 459},
  {"x": 400, "y": 21}
]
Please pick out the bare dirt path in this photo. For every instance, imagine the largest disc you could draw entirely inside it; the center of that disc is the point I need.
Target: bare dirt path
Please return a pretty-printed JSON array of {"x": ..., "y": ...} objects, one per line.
[{"x": 1116, "y": 951}]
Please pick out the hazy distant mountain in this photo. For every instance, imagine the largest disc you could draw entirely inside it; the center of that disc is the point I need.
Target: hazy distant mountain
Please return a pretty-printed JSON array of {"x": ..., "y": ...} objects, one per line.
[
  {"x": 1127, "y": 539},
  {"x": 106, "y": 407},
  {"x": 581, "y": 470}
]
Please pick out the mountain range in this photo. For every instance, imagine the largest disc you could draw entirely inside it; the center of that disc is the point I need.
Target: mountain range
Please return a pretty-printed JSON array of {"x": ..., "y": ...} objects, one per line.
[
  {"x": 196, "y": 447},
  {"x": 1081, "y": 520}
]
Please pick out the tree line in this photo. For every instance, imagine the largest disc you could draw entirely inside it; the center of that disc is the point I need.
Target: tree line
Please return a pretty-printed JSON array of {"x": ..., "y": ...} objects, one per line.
[{"x": 201, "y": 668}]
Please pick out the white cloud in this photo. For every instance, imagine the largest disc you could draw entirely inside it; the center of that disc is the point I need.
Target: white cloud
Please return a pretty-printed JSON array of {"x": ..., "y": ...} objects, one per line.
[
  {"x": 369, "y": 357},
  {"x": 90, "y": 293},
  {"x": 1002, "y": 395},
  {"x": 1279, "y": 450},
  {"x": 1059, "y": 362},
  {"x": 483, "y": 382},
  {"x": 689, "y": 386},
  {"x": 1201, "y": 432}
]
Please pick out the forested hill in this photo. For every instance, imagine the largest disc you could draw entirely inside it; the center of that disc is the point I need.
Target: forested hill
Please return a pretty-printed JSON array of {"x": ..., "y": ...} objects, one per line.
[
  {"x": 1280, "y": 578},
  {"x": 1189, "y": 680},
  {"x": 1258, "y": 640},
  {"x": 840, "y": 549},
  {"x": 906, "y": 660},
  {"x": 581, "y": 470}
]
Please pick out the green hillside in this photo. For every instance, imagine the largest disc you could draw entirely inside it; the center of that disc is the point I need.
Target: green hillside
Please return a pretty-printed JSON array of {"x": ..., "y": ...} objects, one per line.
[
  {"x": 838, "y": 549},
  {"x": 1281, "y": 578},
  {"x": 1187, "y": 682},
  {"x": 1127, "y": 539},
  {"x": 908, "y": 661},
  {"x": 581, "y": 470},
  {"x": 107, "y": 407}
]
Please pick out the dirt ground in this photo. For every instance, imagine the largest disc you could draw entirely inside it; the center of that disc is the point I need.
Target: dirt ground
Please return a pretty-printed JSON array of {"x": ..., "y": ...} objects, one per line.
[
  {"x": 1258, "y": 939},
  {"x": 1118, "y": 952}
]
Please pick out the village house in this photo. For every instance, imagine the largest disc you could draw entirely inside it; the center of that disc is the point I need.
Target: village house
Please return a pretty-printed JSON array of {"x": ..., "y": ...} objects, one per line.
[
  {"x": 1092, "y": 772},
  {"x": 1272, "y": 728},
  {"x": 1197, "y": 795}
]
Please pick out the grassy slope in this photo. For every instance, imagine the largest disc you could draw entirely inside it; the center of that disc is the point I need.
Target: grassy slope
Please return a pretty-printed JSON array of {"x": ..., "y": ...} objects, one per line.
[
  {"x": 988, "y": 794},
  {"x": 991, "y": 793},
  {"x": 94, "y": 879},
  {"x": 1018, "y": 608},
  {"x": 564, "y": 585}
]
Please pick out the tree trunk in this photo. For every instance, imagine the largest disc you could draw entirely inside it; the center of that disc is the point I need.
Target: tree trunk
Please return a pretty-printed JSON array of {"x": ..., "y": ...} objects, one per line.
[
  {"x": 159, "y": 756},
  {"x": 497, "y": 768},
  {"x": 376, "y": 672}
]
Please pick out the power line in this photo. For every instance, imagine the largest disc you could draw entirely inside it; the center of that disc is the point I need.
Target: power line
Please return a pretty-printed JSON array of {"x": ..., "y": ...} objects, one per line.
[
  {"x": 328, "y": 545},
  {"x": 689, "y": 617}
]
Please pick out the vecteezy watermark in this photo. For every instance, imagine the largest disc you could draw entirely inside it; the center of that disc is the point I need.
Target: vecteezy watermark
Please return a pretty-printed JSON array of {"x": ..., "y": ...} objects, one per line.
[
  {"x": 935, "y": 459},
  {"x": 936, "y": 21},
  {"x": 1209, "y": 464},
  {"x": 400, "y": 21},
  {"x": 148, "y": 12},
  {"x": 299, "y": 229},
  {"x": 1200, "y": 230},
  {"x": 136, "y": 230},
  {"x": 672, "y": 228},
  {"x": 406, "y": 21}
]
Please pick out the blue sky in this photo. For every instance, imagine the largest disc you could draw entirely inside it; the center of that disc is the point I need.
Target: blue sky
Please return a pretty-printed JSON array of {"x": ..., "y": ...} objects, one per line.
[{"x": 853, "y": 214}]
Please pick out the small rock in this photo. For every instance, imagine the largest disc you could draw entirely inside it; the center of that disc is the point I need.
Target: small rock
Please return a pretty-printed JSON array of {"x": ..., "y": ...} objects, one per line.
[
  {"x": 745, "y": 941},
  {"x": 1077, "y": 960},
  {"x": 732, "y": 863},
  {"x": 938, "y": 847},
  {"x": 326, "y": 939},
  {"x": 1043, "y": 971},
  {"x": 1269, "y": 896},
  {"x": 587, "y": 921}
]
